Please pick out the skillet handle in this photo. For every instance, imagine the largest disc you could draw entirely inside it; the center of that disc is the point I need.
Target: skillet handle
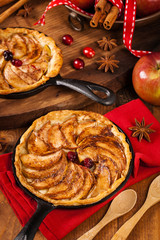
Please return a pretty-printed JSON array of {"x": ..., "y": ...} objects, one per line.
[
  {"x": 29, "y": 230},
  {"x": 86, "y": 88}
]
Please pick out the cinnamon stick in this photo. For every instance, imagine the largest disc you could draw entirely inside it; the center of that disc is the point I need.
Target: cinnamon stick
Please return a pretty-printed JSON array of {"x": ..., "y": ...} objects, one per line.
[
  {"x": 12, "y": 9},
  {"x": 99, "y": 13},
  {"x": 106, "y": 11},
  {"x": 5, "y": 2},
  {"x": 111, "y": 17},
  {"x": 101, "y": 20},
  {"x": 107, "y": 7},
  {"x": 100, "y": 5},
  {"x": 95, "y": 19}
]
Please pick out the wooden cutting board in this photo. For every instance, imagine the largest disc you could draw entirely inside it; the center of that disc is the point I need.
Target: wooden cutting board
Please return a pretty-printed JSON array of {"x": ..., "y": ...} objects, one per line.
[{"x": 21, "y": 112}]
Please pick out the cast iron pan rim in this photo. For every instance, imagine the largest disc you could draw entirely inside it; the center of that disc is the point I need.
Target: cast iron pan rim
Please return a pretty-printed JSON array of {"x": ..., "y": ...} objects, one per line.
[
  {"x": 43, "y": 202},
  {"x": 31, "y": 92}
]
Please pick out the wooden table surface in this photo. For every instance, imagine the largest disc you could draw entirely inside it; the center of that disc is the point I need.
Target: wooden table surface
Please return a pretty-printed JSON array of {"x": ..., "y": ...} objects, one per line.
[{"x": 149, "y": 225}]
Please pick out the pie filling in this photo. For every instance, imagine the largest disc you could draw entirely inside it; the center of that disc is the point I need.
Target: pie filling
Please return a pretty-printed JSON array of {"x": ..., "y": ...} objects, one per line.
[
  {"x": 38, "y": 55},
  {"x": 72, "y": 157}
]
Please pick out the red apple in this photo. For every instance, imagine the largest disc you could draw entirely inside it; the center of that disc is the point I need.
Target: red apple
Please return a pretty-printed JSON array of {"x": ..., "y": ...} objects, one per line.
[
  {"x": 147, "y": 7},
  {"x": 83, "y": 4},
  {"x": 146, "y": 78}
]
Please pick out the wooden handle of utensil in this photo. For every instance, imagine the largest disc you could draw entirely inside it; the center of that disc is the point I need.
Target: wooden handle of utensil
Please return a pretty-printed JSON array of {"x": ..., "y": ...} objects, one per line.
[
  {"x": 12, "y": 9},
  {"x": 126, "y": 228},
  {"x": 5, "y": 2},
  {"x": 91, "y": 233},
  {"x": 105, "y": 220}
]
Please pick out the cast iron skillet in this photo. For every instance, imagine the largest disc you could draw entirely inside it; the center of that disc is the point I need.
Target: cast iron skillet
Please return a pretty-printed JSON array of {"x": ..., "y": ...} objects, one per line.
[
  {"x": 43, "y": 207},
  {"x": 83, "y": 87}
]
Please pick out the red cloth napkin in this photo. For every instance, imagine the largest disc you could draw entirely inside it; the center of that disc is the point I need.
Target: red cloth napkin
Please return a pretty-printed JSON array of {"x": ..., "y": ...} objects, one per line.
[{"x": 61, "y": 221}]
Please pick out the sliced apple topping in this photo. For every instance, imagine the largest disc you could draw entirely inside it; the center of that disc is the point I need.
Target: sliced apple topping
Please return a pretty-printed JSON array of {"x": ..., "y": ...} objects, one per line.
[
  {"x": 40, "y": 162},
  {"x": 27, "y": 59},
  {"x": 34, "y": 50},
  {"x": 66, "y": 159},
  {"x": 3, "y": 83},
  {"x": 17, "y": 45},
  {"x": 12, "y": 78},
  {"x": 55, "y": 133}
]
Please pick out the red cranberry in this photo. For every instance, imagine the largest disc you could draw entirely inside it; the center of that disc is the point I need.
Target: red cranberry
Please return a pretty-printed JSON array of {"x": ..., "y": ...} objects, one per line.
[
  {"x": 88, "y": 52},
  {"x": 67, "y": 39},
  {"x": 87, "y": 162},
  {"x": 78, "y": 63},
  {"x": 72, "y": 156},
  {"x": 8, "y": 55},
  {"x": 16, "y": 62}
]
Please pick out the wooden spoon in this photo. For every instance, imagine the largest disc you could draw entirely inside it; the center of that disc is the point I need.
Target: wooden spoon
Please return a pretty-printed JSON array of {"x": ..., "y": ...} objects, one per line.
[
  {"x": 152, "y": 198},
  {"x": 121, "y": 204}
]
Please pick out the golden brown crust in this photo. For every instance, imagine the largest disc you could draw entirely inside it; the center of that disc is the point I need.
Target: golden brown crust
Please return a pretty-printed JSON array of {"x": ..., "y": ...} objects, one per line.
[
  {"x": 73, "y": 184},
  {"x": 41, "y": 59}
]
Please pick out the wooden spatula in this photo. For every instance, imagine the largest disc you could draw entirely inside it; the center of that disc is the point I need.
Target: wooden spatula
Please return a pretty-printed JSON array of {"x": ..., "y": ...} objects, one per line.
[{"x": 152, "y": 198}]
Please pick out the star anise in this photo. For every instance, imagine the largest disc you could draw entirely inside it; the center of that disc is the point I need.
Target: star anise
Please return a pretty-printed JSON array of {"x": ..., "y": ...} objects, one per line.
[
  {"x": 107, "y": 43},
  {"x": 140, "y": 130},
  {"x": 25, "y": 11},
  {"x": 108, "y": 63}
]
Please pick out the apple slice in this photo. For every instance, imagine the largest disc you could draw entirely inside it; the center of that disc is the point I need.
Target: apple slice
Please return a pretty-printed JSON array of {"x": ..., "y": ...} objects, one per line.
[
  {"x": 68, "y": 178},
  {"x": 112, "y": 166},
  {"x": 17, "y": 45},
  {"x": 42, "y": 133},
  {"x": 74, "y": 187},
  {"x": 3, "y": 83},
  {"x": 44, "y": 173},
  {"x": 68, "y": 129},
  {"x": 37, "y": 146},
  {"x": 85, "y": 124},
  {"x": 55, "y": 137},
  {"x": 87, "y": 186},
  {"x": 34, "y": 50},
  {"x": 93, "y": 132},
  {"x": 40, "y": 162},
  {"x": 103, "y": 177}
]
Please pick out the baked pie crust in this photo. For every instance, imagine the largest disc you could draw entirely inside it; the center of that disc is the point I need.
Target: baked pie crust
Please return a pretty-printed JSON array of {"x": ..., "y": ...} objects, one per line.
[
  {"x": 43, "y": 168},
  {"x": 41, "y": 59}
]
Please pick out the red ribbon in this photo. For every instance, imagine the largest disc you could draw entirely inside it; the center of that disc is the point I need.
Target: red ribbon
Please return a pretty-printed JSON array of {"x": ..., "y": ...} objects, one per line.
[
  {"x": 128, "y": 28},
  {"x": 129, "y": 20}
]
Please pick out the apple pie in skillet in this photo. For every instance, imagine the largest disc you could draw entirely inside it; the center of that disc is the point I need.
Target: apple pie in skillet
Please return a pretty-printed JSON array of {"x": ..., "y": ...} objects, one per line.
[
  {"x": 28, "y": 59},
  {"x": 72, "y": 158},
  {"x": 30, "y": 62}
]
